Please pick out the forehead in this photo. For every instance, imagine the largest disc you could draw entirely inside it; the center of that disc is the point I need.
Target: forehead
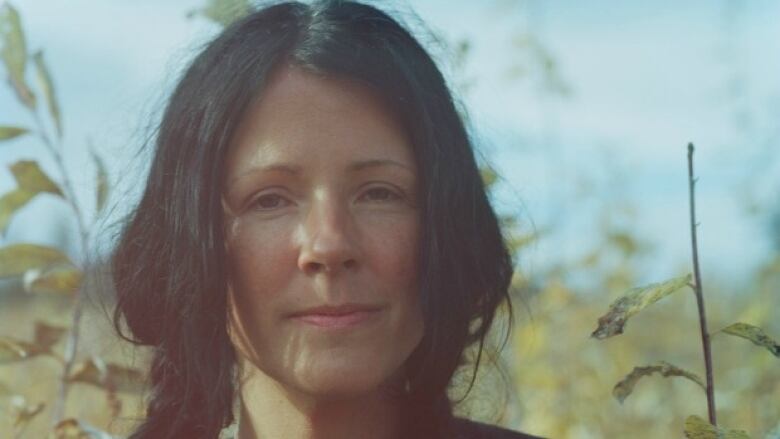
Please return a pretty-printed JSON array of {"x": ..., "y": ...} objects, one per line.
[{"x": 301, "y": 116}]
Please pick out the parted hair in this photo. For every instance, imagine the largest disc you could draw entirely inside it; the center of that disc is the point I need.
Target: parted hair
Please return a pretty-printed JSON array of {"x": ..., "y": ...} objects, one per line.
[{"x": 169, "y": 266}]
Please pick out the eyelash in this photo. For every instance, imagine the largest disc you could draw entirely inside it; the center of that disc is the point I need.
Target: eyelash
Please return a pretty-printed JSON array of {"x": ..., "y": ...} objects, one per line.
[{"x": 393, "y": 195}]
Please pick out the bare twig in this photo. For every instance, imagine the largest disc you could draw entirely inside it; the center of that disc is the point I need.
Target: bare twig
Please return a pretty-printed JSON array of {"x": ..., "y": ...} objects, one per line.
[
  {"x": 705, "y": 337},
  {"x": 71, "y": 346}
]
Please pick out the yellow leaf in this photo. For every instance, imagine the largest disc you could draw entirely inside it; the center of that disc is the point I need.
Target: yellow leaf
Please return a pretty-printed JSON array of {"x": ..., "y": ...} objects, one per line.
[
  {"x": 224, "y": 12},
  {"x": 14, "y": 53},
  {"x": 30, "y": 177},
  {"x": 22, "y": 412},
  {"x": 109, "y": 376},
  {"x": 56, "y": 279},
  {"x": 8, "y": 133},
  {"x": 755, "y": 335},
  {"x": 623, "y": 389},
  {"x": 16, "y": 259},
  {"x": 10, "y": 203},
  {"x": 698, "y": 428},
  {"x": 5, "y": 390},
  {"x": 634, "y": 301},
  {"x": 47, "y": 86}
]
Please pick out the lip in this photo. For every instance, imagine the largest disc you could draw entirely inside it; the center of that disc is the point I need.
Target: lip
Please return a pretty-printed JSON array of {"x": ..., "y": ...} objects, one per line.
[{"x": 341, "y": 316}]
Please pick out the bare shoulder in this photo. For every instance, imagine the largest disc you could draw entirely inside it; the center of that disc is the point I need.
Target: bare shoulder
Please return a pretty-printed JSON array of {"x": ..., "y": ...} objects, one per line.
[{"x": 467, "y": 429}]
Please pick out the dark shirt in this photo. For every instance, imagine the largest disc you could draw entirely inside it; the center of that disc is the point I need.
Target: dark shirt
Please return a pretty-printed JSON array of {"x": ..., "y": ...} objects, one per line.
[{"x": 466, "y": 429}]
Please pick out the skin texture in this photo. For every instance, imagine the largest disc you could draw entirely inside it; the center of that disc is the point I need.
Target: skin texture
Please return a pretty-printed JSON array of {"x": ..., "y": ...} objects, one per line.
[{"x": 320, "y": 209}]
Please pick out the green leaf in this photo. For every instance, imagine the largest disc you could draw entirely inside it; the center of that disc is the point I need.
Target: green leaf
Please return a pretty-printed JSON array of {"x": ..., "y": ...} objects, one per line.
[
  {"x": 16, "y": 259},
  {"x": 109, "y": 376},
  {"x": 102, "y": 181},
  {"x": 8, "y": 132},
  {"x": 623, "y": 389},
  {"x": 47, "y": 87},
  {"x": 10, "y": 203},
  {"x": 14, "y": 53},
  {"x": 55, "y": 279},
  {"x": 224, "y": 12},
  {"x": 755, "y": 335},
  {"x": 698, "y": 428},
  {"x": 29, "y": 176},
  {"x": 634, "y": 301}
]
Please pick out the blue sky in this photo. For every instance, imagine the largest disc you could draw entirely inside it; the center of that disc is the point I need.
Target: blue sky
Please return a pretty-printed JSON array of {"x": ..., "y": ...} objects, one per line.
[{"x": 645, "y": 78}]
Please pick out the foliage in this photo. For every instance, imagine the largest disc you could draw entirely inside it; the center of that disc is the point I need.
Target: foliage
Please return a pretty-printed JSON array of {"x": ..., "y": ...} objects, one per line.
[{"x": 46, "y": 270}]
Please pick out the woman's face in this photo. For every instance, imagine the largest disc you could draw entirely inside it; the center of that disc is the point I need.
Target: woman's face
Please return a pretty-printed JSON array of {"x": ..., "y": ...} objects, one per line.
[{"x": 322, "y": 234}]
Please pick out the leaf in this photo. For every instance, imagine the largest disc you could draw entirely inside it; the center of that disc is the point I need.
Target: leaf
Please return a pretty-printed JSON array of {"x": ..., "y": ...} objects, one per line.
[
  {"x": 10, "y": 203},
  {"x": 12, "y": 350},
  {"x": 56, "y": 279},
  {"x": 623, "y": 389},
  {"x": 109, "y": 376},
  {"x": 698, "y": 428},
  {"x": 75, "y": 429},
  {"x": 14, "y": 53},
  {"x": 48, "y": 335},
  {"x": 29, "y": 176},
  {"x": 47, "y": 87},
  {"x": 9, "y": 132},
  {"x": 5, "y": 390},
  {"x": 23, "y": 412},
  {"x": 224, "y": 12},
  {"x": 755, "y": 335},
  {"x": 102, "y": 181},
  {"x": 16, "y": 259},
  {"x": 489, "y": 176},
  {"x": 634, "y": 301}
]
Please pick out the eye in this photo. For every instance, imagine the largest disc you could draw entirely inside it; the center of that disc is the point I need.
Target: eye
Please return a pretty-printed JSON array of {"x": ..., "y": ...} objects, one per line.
[
  {"x": 269, "y": 202},
  {"x": 380, "y": 194}
]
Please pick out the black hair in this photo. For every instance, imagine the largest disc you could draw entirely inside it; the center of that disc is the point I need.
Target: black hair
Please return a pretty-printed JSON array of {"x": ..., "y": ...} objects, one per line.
[{"x": 168, "y": 266}]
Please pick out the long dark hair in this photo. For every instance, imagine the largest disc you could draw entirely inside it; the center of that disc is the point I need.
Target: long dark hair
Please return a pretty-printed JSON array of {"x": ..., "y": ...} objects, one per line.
[{"x": 168, "y": 266}]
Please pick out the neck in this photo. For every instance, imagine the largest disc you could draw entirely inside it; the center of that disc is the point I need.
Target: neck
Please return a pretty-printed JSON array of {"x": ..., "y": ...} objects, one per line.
[{"x": 269, "y": 410}]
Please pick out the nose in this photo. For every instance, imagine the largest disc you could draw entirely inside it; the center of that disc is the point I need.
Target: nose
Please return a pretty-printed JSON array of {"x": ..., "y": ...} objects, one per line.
[{"x": 328, "y": 239}]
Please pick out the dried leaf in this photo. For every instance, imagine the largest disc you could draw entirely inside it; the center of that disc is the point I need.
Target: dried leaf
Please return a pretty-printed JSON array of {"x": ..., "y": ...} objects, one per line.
[
  {"x": 102, "y": 181},
  {"x": 16, "y": 259},
  {"x": 56, "y": 279},
  {"x": 698, "y": 428},
  {"x": 10, "y": 203},
  {"x": 755, "y": 335},
  {"x": 47, "y": 87},
  {"x": 30, "y": 177},
  {"x": 634, "y": 301},
  {"x": 14, "y": 53},
  {"x": 8, "y": 132},
  {"x": 22, "y": 412},
  {"x": 623, "y": 389},
  {"x": 75, "y": 429},
  {"x": 48, "y": 335},
  {"x": 109, "y": 376}
]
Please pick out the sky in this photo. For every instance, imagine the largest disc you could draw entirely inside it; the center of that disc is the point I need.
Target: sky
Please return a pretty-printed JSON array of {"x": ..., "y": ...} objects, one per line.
[{"x": 642, "y": 79}]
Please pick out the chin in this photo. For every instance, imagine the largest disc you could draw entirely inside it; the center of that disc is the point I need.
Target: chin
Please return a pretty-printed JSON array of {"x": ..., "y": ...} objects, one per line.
[{"x": 343, "y": 380}]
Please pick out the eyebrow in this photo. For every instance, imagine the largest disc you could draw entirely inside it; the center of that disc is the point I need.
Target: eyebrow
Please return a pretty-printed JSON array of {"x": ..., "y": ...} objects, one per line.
[{"x": 295, "y": 169}]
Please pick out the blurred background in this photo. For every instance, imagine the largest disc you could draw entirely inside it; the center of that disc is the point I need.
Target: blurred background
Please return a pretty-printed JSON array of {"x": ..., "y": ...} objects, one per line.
[{"x": 581, "y": 112}]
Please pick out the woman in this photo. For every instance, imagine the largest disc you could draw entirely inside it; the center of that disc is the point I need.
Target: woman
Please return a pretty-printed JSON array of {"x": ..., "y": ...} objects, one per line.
[{"x": 314, "y": 240}]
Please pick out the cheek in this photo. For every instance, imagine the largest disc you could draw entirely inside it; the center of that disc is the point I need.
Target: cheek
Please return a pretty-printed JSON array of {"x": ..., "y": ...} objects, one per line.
[
  {"x": 259, "y": 258},
  {"x": 393, "y": 253}
]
